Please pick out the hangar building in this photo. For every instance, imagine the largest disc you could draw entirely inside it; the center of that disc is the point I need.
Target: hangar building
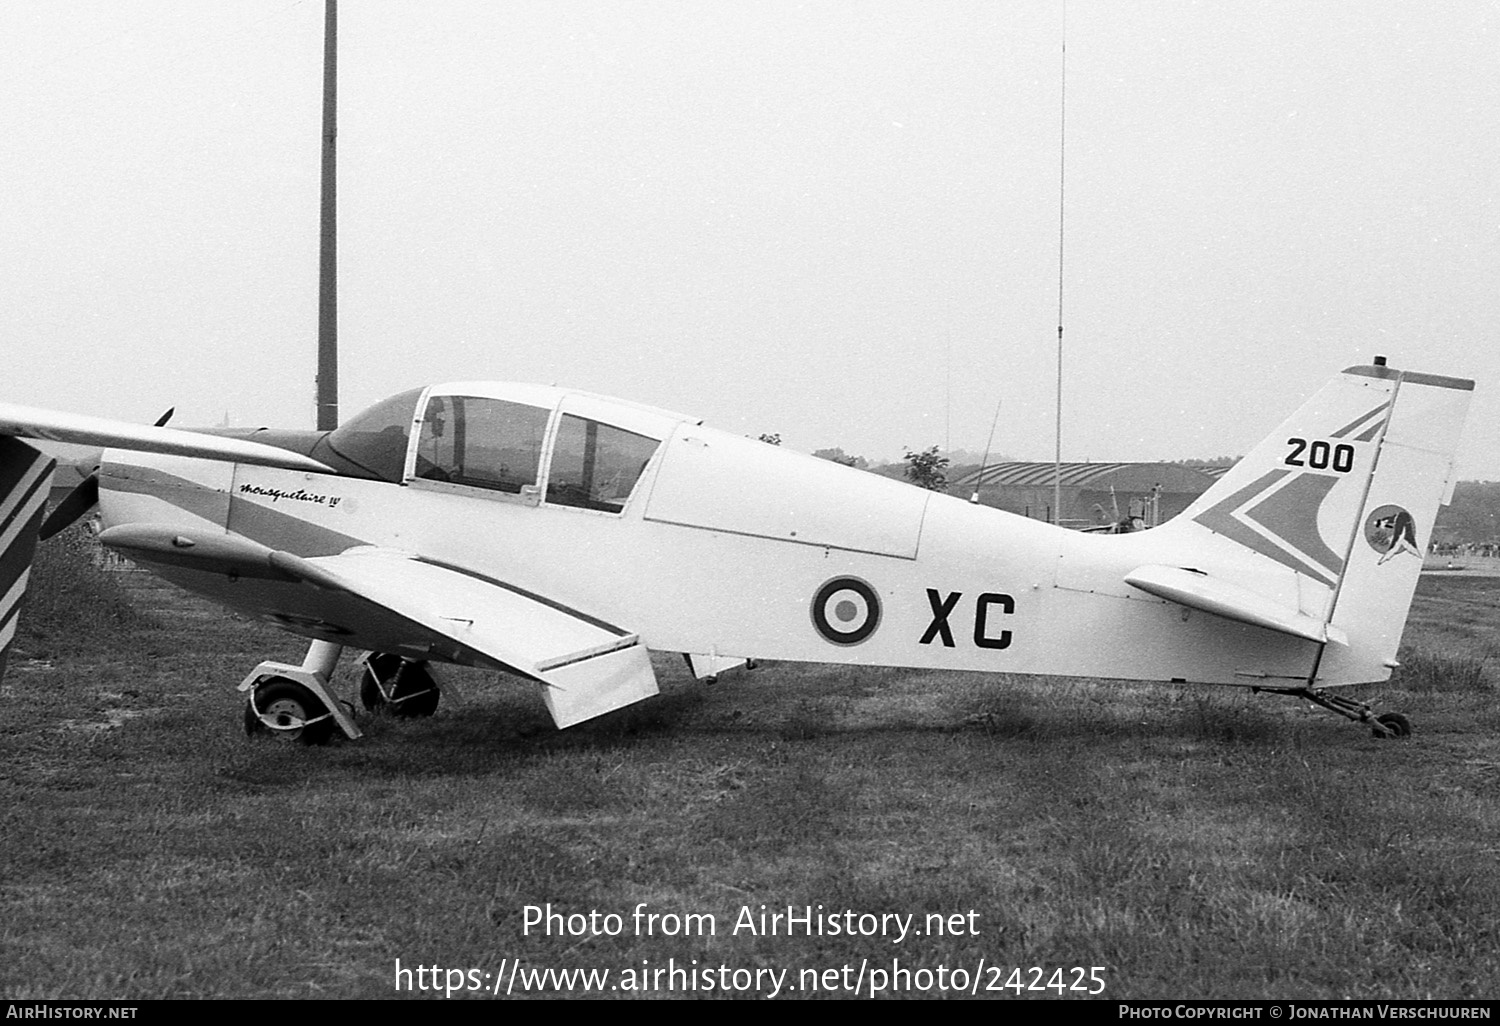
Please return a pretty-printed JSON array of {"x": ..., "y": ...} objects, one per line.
[{"x": 1093, "y": 494}]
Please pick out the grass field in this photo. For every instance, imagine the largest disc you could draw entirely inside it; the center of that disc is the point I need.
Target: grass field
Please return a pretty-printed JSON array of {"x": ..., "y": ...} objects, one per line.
[{"x": 1192, "y": 842}]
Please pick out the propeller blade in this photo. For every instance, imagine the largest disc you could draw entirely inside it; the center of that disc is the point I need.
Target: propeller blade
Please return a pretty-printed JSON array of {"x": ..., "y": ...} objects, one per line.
[{"x": 79, "y": 501}]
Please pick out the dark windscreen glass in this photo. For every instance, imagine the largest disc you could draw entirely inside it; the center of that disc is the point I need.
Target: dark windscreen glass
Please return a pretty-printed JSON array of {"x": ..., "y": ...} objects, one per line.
[{"x": 376, "y": 439}]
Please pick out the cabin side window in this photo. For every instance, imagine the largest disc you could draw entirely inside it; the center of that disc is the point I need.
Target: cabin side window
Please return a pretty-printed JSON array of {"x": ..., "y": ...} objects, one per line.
[
  {"x": 594, "y": 465},
  {"x": 482, "y": 443}
]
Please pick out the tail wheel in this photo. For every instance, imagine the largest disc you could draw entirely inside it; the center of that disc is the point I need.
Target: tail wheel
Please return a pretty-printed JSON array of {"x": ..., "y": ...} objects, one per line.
[
  {"x": 1396, "y": 725},
  {"x": 402, "y": 687},
  {"x": 288, "y": 712}
]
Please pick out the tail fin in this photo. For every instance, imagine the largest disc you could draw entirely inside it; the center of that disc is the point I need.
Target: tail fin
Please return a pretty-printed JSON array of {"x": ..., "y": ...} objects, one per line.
[
  {"x": 25, "y": 476},
  {"x": 1344, "y": 495}
]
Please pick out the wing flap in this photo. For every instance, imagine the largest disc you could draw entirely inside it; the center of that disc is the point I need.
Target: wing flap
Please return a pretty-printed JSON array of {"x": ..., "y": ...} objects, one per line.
[
  {"x": 590, "y": 687},
  {"x": 1197, "y": 590}
]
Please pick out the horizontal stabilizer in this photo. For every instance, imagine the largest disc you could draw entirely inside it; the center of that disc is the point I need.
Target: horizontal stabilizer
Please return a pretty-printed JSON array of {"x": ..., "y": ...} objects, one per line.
[
  {"x": 77, "y": 428},
  {"x": 1197, "y": 590}
]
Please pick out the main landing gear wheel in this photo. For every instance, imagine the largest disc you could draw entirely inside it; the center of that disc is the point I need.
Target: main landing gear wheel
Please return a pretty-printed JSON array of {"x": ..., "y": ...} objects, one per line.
[
  {"x": 402, "y": 687},
  {"x": 288, "y": 712},
  {"x": 1396, "y": 726}
]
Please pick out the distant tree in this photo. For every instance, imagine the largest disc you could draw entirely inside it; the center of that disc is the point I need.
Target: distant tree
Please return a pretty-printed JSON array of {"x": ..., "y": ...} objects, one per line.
[
  {"x": 771, "y": 439},
  {"x": 925, "y": 469},
  {"x": 839, "y": 456}
]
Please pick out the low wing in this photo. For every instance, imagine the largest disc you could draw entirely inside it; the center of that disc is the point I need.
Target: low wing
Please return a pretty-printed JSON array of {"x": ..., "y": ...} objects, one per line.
[
  {"x": 1198, "y": 590},
  {"x": 49, "y": 425},
  {"x": 589, "y": 667}
]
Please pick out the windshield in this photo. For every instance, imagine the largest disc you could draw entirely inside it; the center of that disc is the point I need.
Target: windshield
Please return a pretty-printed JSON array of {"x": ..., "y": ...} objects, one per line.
[{"x": 375, "y": 440}]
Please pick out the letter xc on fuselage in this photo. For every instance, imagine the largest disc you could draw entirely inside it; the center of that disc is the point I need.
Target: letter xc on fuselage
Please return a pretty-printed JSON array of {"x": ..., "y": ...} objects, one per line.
[{"x": 942, "y": 609}]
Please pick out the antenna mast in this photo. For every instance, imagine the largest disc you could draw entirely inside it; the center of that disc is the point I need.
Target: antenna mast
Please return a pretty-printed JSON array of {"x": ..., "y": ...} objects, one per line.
[
  {"x": 328, "y": 314},
  {"x": 984, "y": 464},
  {"x": 1062, "y": 181}
]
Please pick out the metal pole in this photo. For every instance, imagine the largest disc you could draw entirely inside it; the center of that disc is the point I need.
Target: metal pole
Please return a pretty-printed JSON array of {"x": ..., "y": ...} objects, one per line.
[
  {"x": 1062, "y": 180},
  {"x": 328, "y": 316}
]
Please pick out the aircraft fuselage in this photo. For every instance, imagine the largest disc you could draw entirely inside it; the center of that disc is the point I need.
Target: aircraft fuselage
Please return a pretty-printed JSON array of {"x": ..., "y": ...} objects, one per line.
[{"x": 724, "y": 546}]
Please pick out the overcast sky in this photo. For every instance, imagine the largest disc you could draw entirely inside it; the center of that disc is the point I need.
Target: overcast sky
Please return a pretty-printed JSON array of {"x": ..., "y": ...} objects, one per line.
[{"x": 833, "y": 220}]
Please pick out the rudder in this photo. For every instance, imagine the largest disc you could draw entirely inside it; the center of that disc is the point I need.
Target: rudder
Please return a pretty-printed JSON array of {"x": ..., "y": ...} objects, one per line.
[{"x": 1413, "y": 477}]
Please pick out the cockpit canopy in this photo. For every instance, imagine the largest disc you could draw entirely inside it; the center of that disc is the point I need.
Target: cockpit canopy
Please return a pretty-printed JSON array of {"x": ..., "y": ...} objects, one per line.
[{"x": 538, "y": 444}]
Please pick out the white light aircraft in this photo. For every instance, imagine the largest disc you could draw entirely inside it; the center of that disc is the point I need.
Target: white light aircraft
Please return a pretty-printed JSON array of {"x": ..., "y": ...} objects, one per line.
[{"x": 560, "y": 536}]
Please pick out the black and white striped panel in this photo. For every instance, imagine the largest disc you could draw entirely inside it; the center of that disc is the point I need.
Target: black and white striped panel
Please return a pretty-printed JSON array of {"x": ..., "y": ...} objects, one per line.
[{"x": 25, "y": 477}]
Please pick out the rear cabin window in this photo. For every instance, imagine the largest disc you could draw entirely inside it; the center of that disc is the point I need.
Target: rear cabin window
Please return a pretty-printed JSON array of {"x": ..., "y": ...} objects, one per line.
[
  {"x": 595, "y": 466},
  {"x": 483, "y": 443}
]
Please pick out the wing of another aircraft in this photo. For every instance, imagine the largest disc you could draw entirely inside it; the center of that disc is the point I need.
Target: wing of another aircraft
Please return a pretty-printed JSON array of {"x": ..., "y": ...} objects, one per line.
[
  {"x": 80, "y": 429},
  {"x": 589, "y": 667}
]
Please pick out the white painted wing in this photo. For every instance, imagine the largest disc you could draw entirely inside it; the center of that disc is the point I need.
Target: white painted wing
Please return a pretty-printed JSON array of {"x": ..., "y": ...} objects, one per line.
[
  {"x": 77, "y": 428},
  {"x": 589, "y": 667}
]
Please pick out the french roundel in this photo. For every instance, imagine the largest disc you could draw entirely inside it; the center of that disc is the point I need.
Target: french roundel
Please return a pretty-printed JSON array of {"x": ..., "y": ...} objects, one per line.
[{"x": 846, "y": 611}]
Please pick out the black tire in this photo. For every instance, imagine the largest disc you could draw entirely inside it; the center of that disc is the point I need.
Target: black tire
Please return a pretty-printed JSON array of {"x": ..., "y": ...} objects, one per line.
[
  {"x": 287, "y": 702},
  {"x": 383, "y": 664},
  {"x": 369, "y": 694},
  {"x": 253, "y": 726},
  {"x": 413, "y": 691},
  {"x": 1398, "y": 725}
]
